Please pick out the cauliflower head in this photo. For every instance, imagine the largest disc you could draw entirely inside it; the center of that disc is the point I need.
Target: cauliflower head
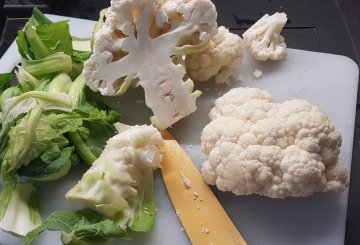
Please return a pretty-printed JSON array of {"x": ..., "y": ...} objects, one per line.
[
  {"x": 136, "y": 43},
  {"x": 264, "y": 39},
  {"x": 256, "y": 146},
  {"x": 120, "y": 180},
  {"x": 219, "y": 59}
]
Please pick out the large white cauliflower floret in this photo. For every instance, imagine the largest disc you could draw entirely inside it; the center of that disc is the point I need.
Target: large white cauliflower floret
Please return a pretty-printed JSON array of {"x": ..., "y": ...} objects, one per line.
[
  {"x": 264, "y": 39},
  {"x": 256, "y": 146},
  {"x": 219, "y": 59},
  {"x": 137, "y": 41}
]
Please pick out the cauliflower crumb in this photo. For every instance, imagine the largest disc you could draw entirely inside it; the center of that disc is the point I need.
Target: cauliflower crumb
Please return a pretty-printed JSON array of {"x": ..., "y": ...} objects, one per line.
[
  {"x": 186, "y": 180},
  {"x": 205, "y": 231},
  {"x": 256, "y": 146},
  {"x": 258, "y": 73},
  {"x": 195, "y": 195},
  {"x": 222, "y": 55}
]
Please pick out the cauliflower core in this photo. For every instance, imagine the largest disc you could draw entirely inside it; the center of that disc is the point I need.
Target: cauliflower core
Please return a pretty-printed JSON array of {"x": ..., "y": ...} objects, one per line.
[
  {"x": 111, "y": 184},
  {"x": 137, "y": 42},
  {"x": 264, "y": 39},
  {"x": 219, "y": 59},
  {"x": 256, "y": 146}
]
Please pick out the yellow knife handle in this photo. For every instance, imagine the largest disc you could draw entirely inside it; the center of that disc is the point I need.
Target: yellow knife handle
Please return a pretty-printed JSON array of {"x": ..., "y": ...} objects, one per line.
[{"x": 202, "y": 216}]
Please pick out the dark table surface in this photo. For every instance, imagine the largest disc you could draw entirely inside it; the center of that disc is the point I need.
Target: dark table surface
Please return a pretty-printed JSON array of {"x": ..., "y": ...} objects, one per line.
[{"x": 331, "y": 26}]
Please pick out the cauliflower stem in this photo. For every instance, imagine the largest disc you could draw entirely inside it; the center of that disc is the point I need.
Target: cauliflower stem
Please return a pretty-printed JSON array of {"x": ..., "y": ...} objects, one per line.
[
  {"x": 128, "y": 44},
  {"x": 119, "y": 184}
]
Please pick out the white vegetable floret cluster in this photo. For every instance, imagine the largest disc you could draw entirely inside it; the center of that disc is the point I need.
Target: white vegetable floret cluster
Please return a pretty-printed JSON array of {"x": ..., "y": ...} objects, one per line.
[
  {"x": 219, "y": 59},
  {"x": 110, "y": 185},
  {"x": 256, "y": 146},
  {"x": 137, "y": 42},
  {"x": 264, "y": 39}
]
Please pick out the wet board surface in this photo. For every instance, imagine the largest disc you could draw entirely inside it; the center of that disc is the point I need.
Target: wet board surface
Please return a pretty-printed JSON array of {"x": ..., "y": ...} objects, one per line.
[{"x": 327, "y": 81}]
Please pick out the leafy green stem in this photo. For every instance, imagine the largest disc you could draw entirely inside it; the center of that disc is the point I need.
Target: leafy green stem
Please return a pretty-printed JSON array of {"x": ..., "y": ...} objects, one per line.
[{"x": 81, "y": 148}]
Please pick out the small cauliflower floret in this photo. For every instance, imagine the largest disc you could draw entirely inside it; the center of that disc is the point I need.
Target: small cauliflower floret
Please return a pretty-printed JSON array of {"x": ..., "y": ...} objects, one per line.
[
  {"x": 264, "y": 39},
  {"x": 219, "y": 59},
  {"x": 137, "y": 42},
  {"x": 215, "y": 133},
  {"x": 120, "y": 181},
  {"x": 256, "y": 146}
]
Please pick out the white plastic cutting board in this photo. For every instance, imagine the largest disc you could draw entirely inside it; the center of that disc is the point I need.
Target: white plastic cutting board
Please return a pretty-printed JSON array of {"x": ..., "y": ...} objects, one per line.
[{"x": 328, "y": 81}]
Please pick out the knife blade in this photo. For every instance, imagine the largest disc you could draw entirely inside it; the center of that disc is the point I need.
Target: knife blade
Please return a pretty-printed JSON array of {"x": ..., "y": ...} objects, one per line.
[{"x": 201, "y": 214}]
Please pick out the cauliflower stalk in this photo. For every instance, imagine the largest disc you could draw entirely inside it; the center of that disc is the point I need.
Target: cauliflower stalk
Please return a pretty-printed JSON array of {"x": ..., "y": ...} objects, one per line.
[
  {"x": 256, "y": 146},
  {"x": 218, "y": 59},
  {"x": 137, "y": 42},
  {"x": 119, "y": 184},
  {"x": 264, "y": 39},
  {"x": 18, "y": 210}
]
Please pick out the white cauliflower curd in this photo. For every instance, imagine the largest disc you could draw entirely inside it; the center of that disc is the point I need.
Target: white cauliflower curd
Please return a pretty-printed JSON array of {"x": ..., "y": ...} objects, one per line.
[
  {"x": 256, "y": 146},
  {"x": 220, "y": 57},
  {"x": 137, "y": 42},
  {"x": 264, "y": 39}
]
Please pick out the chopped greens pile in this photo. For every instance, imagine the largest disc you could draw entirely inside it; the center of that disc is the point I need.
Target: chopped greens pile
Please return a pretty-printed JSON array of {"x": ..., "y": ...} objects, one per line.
[
  {"x": 79, "y": 227},
  {"x": 47, "y": 125}
]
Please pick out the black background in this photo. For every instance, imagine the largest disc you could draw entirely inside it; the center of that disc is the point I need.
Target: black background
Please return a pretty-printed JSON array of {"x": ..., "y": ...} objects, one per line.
[{"x": 331, "y": 26}]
